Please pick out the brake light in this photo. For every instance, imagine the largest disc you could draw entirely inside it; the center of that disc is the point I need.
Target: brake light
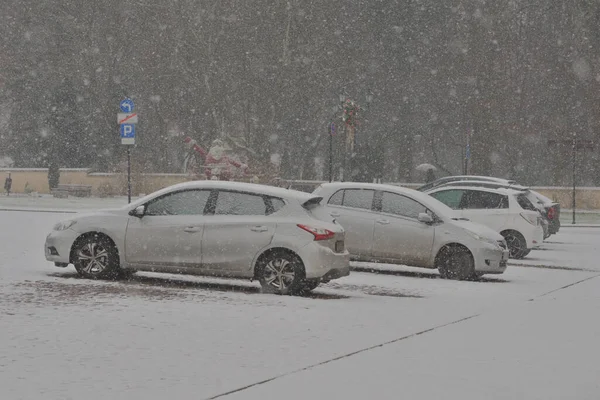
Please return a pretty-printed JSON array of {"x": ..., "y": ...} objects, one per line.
[
  {"x": 532, "y": 219},
  {"x": 318, "y": 233},
  {"x": 551, "y": 213}
]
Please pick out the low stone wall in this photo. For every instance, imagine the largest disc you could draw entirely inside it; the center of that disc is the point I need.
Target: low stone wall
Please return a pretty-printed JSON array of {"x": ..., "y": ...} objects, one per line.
[
  {"x": 109, "y": 184},
  {"x": 586, "y": 198},
  {"x": 103, "y": 184}
]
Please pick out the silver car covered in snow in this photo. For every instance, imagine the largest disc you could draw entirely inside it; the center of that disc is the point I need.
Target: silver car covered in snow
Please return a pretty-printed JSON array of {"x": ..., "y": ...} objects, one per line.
[
  {"x": 226, "y": 229},
  {"x": 403, "y": 226}
]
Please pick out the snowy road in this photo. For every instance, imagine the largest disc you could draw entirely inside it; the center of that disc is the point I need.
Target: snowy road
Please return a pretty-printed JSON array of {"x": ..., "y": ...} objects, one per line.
[{"x": 530, "y": 333}]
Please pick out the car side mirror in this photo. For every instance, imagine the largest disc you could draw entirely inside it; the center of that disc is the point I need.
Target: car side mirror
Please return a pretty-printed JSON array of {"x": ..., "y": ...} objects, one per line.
[
  {"x": 425, "y": 218},
  {"x": 139, "y": 211}
]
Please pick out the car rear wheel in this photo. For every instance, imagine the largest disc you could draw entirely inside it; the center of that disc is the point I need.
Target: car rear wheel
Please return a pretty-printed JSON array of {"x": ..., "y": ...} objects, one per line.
[
  {"x": 456, "y": 262},
  {"x": 95, "y": 256},
  {"x": 310, "y": 284},
  {"x": 517, "y": 245},
  {"x": 281, "y": 272}
]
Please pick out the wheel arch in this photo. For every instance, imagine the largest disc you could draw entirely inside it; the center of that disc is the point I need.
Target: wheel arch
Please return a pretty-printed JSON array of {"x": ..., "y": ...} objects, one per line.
[
  {"x": 511, "y": 230},
  {"x": 267, "y": 252},
  {"x": 451, "y": 245}
]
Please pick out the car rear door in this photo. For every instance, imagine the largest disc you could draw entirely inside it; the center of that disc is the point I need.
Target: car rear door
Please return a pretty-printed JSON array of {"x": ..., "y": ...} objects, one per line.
[
  {"x": 239, "y": 226},
  {"x": 398, "y": 235},
  {"x": 353, "y": 209},
  {"x": 487, "y": 208}
]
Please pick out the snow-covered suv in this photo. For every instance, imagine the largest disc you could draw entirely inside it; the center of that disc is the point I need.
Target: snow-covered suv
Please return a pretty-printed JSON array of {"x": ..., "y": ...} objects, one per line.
[{"x": 507, "y": 211}]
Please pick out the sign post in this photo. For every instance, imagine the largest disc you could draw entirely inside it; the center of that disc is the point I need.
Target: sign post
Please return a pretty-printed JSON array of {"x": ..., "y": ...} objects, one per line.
[
  {"x": 127, "y": 120},
  {"x": 331, "y": 133}
]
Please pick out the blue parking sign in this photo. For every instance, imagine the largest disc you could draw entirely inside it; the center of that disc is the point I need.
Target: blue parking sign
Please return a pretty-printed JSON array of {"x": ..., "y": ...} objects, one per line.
[{"x": 127, "y": 131}]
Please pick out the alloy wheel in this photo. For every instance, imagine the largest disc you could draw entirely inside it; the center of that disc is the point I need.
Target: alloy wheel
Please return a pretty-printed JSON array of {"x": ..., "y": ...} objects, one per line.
[
  {"x": 93, "y": 258},
  {"x": 515, "y": 245},
  {"x": 279, "y": 274}
]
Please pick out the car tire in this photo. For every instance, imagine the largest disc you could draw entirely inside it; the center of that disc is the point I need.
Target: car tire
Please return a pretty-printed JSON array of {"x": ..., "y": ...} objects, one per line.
[
  {"x": 310, "y": 284},
  {"x": 95, "y": 256},
  {"x": 281, "y": 272},
  {"x": 517, "y": 245},
  {"x": 456, "y": 262}
]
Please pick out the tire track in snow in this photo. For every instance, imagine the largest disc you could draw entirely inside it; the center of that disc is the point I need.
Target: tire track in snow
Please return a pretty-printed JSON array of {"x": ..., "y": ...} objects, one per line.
[{"x": 240, "y": 389}]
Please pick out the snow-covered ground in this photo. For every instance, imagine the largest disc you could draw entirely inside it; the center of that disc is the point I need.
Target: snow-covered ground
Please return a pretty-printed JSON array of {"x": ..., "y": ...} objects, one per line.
[{"x": 402, "y": 332}]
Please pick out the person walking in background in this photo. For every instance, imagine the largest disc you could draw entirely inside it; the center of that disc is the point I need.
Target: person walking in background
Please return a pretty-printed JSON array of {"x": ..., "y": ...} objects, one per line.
[
  {"x": 8, "y": 184},
  {"x": 430, "y": 176}
]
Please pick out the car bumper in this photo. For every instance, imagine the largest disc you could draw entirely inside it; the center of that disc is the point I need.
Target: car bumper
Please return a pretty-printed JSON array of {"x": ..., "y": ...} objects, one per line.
[
  {"x": 490, "y": 259},
  {"x": 554, "y": 226},
  {"x": 322, "y": 262},
  {"x": 58, "y": 246},
  {"x": 537, "y": 238}
]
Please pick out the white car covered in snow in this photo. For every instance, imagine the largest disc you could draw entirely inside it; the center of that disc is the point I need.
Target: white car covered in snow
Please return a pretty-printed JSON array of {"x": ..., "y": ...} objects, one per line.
[
  {"x": 506, "y": 211},
  {"x": 403, "y": 226},
  {"x": 214, "y": 228}
]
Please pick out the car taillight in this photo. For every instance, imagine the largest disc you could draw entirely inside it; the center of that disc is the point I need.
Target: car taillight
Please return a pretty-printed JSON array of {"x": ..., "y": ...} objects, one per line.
[
  {"x": 532, "y": 219},
  {"x": 318, "y": 233},
  {"x": 551, "y": 213}
]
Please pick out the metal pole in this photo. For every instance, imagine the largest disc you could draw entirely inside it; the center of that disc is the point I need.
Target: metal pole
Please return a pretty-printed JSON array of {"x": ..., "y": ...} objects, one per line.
[
  {"x": 468, "y": 154},
  {"x": 574, "y": 173},
  {"x": 128, "y": 174},
  {"x": 330, "y": 152}
]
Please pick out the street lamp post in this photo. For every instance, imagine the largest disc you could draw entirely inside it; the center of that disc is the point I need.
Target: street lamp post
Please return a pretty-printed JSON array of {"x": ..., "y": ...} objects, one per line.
[
  {"x": 574, "y": 161},
  {"x": 331, "y": 131}
]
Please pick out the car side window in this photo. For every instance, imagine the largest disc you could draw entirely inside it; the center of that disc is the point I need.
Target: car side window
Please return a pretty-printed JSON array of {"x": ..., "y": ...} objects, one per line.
[
  {"x": 451, "y": 198},
  {"x": 188, "y": 202},
  {"x": 393, "y": 203},
  {"x": 236, "y": 203},
  {"x": 475, "y": 199},
  {"x": 337, "y": 198},
  {"x": 525, "y": 203},
  {"x": 276, "y": 204},
  {"x": 358, "y": 198}
]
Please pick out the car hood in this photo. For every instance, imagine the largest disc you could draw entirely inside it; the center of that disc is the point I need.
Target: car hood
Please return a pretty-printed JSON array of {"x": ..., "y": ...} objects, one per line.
[
  {"x": 478, "y": 229},
  {"x": 107, "y": 211}
]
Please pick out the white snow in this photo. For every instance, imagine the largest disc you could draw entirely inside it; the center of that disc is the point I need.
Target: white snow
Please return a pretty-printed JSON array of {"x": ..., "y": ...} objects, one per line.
[{"x": 160, "y": 336}]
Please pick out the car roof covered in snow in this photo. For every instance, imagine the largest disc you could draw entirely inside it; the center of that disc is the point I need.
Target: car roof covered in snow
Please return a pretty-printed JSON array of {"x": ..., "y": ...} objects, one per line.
[
  {"x": 506, "y": 191},
  {"x": 378, "y": 186},
  {"x": 229, "y": 185}
]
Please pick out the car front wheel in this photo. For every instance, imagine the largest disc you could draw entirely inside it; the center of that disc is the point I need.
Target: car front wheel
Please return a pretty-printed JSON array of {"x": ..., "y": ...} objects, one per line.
[
  {"x": 517, "y": 245},
  {"x": 456, "y": 262},
  {"x": 96, "y": 257},
  {"x": 281, "y": 272}
]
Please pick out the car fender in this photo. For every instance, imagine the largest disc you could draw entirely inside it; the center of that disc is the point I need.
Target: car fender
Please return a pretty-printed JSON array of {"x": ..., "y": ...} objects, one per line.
[
  {"x": 112, "y": 226},
  {"x": 292, "y": 243}
]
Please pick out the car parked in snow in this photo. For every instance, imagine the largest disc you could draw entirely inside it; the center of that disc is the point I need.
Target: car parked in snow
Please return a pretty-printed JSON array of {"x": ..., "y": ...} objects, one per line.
[
  {"x": 506, "y": 211},
  {"x": 549, "y": 210},
  {"x": 214, "y": 228},
  {"x": 397, "y": 225}
]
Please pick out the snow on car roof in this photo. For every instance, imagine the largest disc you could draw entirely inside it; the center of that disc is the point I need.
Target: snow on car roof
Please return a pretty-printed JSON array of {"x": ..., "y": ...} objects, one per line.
[
  {"x": 244, "y": 187},
  {"x": 480, "y": 188},
  {"x": 491, "y": 184},
  {"x": 237, "y": 186},
  {"x": 379, "y": 186}
]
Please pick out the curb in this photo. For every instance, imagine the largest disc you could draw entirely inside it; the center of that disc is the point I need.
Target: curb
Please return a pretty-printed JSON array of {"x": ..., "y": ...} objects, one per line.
[
  {"x": 44, "y": 210},
  {"x": 580, "y": 226}
]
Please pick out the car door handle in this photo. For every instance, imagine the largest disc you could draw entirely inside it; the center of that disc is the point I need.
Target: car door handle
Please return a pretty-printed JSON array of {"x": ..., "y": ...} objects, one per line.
[
  {"x": 259, "y": 229},
  {"x": 192, "y": 229},
  {"x": 335, "y": 214},
  {"x": 383, "y": 221}
]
